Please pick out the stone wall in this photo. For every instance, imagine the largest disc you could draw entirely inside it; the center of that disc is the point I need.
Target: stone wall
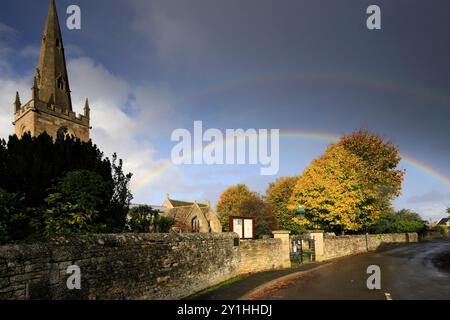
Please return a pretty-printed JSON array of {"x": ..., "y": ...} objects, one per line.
[
  {"x": 335, "y": 247},
  {"x": 130, "y": 266},
  {"x": 261, "y": 255}
]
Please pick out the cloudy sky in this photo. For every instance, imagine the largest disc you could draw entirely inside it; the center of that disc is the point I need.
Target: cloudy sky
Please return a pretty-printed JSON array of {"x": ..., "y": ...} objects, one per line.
[{"x": 152, "y": 66}]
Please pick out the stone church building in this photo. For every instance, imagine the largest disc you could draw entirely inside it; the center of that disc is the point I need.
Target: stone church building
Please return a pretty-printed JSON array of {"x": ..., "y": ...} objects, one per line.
[
  {"x": 189, "y": 216},
  {"x": 195, "y": 216},
  {"x": 50, "y": 108}
]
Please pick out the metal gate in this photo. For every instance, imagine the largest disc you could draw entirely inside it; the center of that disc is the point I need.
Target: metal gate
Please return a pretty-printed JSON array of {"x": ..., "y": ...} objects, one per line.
[{"x": 302, "y": 250}]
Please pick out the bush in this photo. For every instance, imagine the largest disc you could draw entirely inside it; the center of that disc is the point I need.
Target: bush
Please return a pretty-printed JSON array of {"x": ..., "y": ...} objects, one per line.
[
  {"x": 443, "y": 231},
  {"x": 398, "y": 222},
  {"x": 17, "y": 222},
  {"x": 144, "y": 219},
  {"x": 76, "y": 204},
  {"x": 165, "y": 224}
]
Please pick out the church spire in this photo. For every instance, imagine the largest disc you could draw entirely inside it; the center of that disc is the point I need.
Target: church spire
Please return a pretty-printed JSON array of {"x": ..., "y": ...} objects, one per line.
[
  {"x": 53, "y": 82},
  {"x": 35, "y": 88},
  {"x": 17, "y": 103},
  {"x": 87, "y": 109}
]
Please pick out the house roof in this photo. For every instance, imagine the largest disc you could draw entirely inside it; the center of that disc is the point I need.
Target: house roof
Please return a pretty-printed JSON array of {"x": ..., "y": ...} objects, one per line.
[{"x": 444, "y": 221}]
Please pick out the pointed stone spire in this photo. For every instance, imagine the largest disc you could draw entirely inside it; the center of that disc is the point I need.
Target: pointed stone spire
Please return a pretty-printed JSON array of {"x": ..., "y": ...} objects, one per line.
[
  {"x": 87, "y": 109},
  {"x": 52, "y": 68},
  {"x": 17, "y": 103},
  {"x": 35, "y": 89}
]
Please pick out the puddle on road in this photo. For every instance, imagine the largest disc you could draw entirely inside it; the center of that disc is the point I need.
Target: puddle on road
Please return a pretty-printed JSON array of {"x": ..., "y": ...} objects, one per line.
[{"x": 442, "y": 261}]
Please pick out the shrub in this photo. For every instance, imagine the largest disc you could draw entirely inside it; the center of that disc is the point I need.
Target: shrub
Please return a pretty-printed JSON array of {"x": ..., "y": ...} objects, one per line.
[
  {"x": 165, "y": 224},
  {"x": 64, "y": 218},
  {"x": 17, "y": 222},
  {"x": 142, "y": 219},
  {"x": 443, "y": 231},
  {"x": 147, "y": 220},
  {"x": 398, "y": 222},
  {"x": 75, "y": 204}
]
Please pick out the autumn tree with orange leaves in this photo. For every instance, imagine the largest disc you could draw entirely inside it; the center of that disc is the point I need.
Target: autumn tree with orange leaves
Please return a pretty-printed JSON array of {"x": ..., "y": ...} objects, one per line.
[
  {"x": 348, "y": 187},
  {"x": 278, "y": 197},
  {"x": 240, "y": 201},
  {"x": 381, "y": 159}
]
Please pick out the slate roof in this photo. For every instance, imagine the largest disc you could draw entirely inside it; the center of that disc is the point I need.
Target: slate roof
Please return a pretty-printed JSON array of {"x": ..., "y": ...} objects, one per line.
[{"x": 444, "y": 221}]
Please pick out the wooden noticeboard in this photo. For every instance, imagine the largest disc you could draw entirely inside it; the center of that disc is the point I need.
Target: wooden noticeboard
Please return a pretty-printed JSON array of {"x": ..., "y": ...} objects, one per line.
[{"x": 243, "y": 226}]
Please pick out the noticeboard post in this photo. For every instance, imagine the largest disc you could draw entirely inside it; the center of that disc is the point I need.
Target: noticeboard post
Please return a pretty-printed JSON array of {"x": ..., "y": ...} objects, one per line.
[{"x": 243, "y": 226}]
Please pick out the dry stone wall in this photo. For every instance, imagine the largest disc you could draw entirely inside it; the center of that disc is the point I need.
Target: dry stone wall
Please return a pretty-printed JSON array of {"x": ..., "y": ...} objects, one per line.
[
  {"x": 335, "y": 247},
  {"x": 132, "y": 266}
]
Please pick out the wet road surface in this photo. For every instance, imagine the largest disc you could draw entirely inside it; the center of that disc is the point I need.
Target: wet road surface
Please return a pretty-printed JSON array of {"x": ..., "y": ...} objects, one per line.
[{"x": 407, "y": 272}]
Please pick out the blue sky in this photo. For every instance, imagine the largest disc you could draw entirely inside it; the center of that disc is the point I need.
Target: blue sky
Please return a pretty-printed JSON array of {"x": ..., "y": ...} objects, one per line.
[{"x": 149, "y": 67}]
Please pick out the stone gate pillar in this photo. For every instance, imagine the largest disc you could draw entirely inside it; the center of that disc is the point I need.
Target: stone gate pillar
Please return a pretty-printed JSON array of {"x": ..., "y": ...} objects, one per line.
[
  {"x": 286, "y": 245},
  {"x": 317, "y": 235}
]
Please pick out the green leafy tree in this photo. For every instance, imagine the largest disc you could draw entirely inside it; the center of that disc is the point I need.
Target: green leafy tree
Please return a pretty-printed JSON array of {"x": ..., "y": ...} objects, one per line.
[
  {"x": 398, "y": 222},
  {"x": 119, "y": 204},
  {"x": 240, "y": 201},
  {"x": 143, "y": 219},
  {"x": 278, "y": 197},
  {"x": 38, "y": 170},
  {"x": 75, "y": 204}
]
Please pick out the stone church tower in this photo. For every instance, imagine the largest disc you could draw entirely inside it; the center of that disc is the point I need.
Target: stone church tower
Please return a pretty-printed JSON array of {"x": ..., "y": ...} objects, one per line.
[{"x": 50, "y": 108}]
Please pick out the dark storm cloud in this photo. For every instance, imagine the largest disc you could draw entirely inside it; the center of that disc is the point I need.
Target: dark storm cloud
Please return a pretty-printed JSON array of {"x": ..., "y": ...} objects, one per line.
[
  {"x": 337, "y": 74},
  {"x": 434, "y": 196},
  {"x": 289, "y": 64}
]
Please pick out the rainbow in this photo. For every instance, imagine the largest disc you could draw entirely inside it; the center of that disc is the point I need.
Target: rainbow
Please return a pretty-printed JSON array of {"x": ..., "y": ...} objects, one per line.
[
  {"x": 350, "y": 79},
  {"x": 310, "y": 135}
]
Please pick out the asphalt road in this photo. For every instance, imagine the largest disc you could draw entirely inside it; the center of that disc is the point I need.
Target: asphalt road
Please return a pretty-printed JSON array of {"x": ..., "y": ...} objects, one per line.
[{"x": 408, "y": 272}]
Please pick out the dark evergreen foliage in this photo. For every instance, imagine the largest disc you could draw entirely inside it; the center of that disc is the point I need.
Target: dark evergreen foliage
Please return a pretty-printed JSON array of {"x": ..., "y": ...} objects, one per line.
[{"x": 36, "y": 169}]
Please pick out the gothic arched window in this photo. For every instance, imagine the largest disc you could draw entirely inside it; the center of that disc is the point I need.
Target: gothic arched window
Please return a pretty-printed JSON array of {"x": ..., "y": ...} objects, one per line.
[
  {"x": 195, "y": 225},
  {"x": 60, "y": 83},
  {"x": 64, "y": 132}
]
